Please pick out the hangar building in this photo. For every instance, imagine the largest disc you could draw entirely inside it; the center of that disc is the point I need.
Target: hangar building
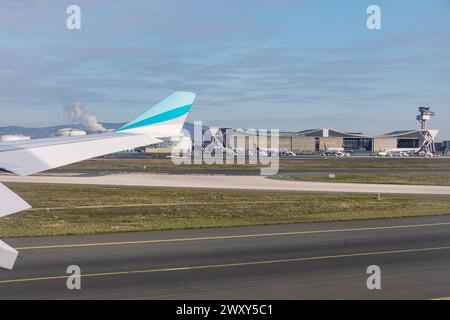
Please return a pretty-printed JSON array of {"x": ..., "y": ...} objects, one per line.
[
  {"x": 316, "y": 140},
  {"x": 310, "y": 141}
]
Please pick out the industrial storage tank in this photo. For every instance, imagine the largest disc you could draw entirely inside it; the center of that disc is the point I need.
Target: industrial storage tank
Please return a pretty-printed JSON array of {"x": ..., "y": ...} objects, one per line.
[
  {"x": 70, "y": 132},
  {"x": 13, "y": 137}
]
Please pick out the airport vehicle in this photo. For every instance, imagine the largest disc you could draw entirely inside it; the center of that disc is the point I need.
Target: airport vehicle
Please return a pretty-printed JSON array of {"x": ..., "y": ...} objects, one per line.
[{"x": 165, "y": 119}]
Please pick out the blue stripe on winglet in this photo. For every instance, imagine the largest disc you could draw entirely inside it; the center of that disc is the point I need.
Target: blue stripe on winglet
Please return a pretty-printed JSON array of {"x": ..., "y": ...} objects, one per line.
[{"x": 162, "y": 117}]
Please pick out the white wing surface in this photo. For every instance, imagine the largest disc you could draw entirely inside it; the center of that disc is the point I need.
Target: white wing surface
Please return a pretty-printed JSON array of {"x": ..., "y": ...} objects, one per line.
[{"x": 33, "y": 156}]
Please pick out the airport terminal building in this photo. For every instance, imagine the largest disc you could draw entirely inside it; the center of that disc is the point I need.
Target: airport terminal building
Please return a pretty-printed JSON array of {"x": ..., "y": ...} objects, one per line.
[
  {"x": 319, "y": 140},
  {"x": 419, "y": 142},
  {"x": 310, "y": 141}
]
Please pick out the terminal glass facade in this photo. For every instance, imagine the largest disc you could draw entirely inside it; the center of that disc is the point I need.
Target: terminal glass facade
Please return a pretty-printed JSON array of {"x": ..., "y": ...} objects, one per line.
[{"x": 363, "y": 144}]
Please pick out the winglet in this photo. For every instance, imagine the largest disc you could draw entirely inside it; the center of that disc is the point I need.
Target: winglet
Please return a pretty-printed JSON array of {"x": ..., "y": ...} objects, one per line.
[{"x": 164, "y": 119}]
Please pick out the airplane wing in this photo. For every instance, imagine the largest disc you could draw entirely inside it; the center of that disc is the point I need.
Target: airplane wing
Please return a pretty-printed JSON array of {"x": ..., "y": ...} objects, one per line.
[
  {"x": 33, "y": 156},
  {"x": 165, "y": 119}
]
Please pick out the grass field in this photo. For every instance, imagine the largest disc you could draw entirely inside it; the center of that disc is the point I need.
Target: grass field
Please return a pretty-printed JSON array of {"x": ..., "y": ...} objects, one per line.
[
  {"x": 71, "y": 209},
  {"x": 420, "y": 178},
  {"x": 288, "y": 164}
]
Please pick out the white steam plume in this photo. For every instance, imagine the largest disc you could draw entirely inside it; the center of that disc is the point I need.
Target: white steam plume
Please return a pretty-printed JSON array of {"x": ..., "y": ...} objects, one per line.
[{"x": 77, "y": 113}]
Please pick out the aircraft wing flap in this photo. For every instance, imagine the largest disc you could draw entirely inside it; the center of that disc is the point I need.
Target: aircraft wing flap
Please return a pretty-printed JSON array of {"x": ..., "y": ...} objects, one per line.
[
  {"x": 8, "y": 256},
  {"x": 10, "y": 202}
]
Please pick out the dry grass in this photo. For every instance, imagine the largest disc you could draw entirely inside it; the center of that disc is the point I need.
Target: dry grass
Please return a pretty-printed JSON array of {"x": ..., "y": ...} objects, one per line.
[
  {"x": 420, "y": 178},
  {"x": 291, "y": 164},
  {"x": 61, "y": 209}
]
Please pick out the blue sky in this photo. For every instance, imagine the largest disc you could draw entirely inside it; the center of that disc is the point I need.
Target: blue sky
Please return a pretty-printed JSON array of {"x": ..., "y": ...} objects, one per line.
[{"x": 292, "y": 65}]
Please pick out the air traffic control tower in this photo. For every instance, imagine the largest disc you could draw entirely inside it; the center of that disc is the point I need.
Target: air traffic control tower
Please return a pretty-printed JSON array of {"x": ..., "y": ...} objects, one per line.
[{"x": 427, "y": 148}]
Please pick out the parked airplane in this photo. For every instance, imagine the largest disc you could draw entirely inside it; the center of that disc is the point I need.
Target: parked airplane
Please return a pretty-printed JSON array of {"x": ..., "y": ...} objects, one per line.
[
  {"x": 279, "y": 151},
  {"x": 399, "y": 152},
  {"x": 163, "y": 120},
  {"x": 338, "y": 152}
]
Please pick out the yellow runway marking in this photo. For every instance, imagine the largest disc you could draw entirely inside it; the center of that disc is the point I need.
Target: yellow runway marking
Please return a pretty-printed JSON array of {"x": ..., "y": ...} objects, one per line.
[
  {"x": 227, "y": 265},
  {"x": 243, "y": 236}
]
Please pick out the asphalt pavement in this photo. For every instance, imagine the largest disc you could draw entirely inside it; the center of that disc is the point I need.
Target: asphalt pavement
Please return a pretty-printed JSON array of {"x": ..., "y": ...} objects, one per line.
[{"x": 297, "y": 261}]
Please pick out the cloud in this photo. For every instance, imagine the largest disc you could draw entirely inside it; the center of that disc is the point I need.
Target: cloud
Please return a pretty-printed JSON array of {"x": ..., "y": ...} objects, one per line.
[{"x": 248, "y": 61}]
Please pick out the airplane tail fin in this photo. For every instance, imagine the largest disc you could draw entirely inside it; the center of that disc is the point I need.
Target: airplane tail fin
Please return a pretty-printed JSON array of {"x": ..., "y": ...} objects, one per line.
[{"x": 164, "y": 119}]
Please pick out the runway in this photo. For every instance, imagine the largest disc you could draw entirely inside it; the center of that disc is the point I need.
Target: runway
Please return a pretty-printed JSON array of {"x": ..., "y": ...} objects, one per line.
[
  {"x": 302, "y": 261},
  {"x": 228, "y": 182}
]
